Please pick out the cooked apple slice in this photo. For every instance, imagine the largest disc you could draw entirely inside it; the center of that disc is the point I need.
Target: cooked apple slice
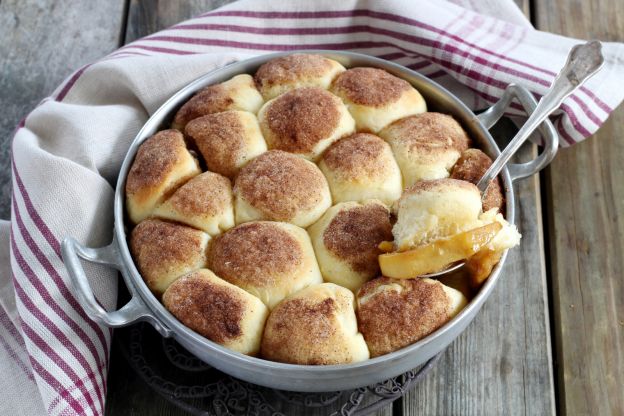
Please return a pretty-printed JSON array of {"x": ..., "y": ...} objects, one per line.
[
  {"x": 386, "y": 246},
  {"x": 438, "y": 255},
  {"x": 479, "y": 266}
]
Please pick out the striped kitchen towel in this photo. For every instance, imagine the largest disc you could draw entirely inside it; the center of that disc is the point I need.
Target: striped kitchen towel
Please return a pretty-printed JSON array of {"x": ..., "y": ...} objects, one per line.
[{"x": 68, "y": 150}]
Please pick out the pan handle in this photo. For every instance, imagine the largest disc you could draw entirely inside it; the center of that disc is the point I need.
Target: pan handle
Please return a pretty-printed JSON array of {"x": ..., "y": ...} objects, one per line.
[
  {"x": 134, "y": 311},
  {"x": 551, "y": 139}
]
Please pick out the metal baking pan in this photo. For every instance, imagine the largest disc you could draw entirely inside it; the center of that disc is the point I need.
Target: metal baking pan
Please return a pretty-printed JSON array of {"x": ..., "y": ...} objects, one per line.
[{"x": 144, "y": 306}]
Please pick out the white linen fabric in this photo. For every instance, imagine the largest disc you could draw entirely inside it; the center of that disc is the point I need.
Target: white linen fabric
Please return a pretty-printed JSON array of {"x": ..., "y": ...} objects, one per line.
[{"x": 68, "y": 150}]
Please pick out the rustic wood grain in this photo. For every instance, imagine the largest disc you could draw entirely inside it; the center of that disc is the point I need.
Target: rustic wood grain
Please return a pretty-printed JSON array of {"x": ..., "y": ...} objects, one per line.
[
  {"x": 41, "y": 43},
  {"x": 149, "y": 16},
  {"x": 501, "y": 365},
  {"x": 586, "y": 221}
]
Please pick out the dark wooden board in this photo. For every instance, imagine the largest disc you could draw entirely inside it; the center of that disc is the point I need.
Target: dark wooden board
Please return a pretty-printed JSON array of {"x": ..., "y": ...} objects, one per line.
[
  {"x": 41, "y": 43},
  {"x": 585, "y": 191}
]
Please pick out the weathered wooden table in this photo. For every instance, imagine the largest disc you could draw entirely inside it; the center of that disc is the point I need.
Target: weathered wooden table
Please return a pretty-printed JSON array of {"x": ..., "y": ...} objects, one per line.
[{"x": 550, "y": 338}]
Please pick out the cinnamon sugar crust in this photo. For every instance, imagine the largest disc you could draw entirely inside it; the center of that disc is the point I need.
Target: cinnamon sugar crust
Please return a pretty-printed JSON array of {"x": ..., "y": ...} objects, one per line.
[
  {"x": 290, "y": 68},
  {"x": 211, "y": 99},
  {"x": 361, "y": 154},
  {"x": 212, "y": 310},
  {"x": 206, "y": 194},
  {"x": 255, "y": 253},
  {"x": 370, "y": 86},
  {"x": 279, "y": 184},
  {"x": 299, "y": 119},
  {"x": 429, "y": 133},
  {"x": 394, "y": 313},
  {"x": 160, "y": 248},
  {"x": 220, "y": 139},
  {"x": 355, "y": 233},
  {"x": 155, "y": 159}
]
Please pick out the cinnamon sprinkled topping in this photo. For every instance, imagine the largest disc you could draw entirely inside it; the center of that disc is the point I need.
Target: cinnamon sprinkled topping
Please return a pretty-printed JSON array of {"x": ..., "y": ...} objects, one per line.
[
  {"x": 220, "y": 139},
  {"x": 391, "y": 319},
  {"x": 297, "y": 120},
  {"x": 255, "y": 253},
  {"x": 280, "y": 184},
  {"x": 360, "y": 154},
  {"x": 155, "y": 159},
  {"x": 158, "y": 246},
  {"x": 370, "y": 86},
  {"x": 297, "y": 322},
  {"x": 212, "y": 310},
  {"x": 291, "y": 68},
  {"x": 309, "y": 328},
  {"x": 429, "y": 133},
  {"x": 354, "y": 235},
  {"x": 470, "y": 167},
  {"x": 212, "y": 99},
  {"x": 206, "y": 194}
]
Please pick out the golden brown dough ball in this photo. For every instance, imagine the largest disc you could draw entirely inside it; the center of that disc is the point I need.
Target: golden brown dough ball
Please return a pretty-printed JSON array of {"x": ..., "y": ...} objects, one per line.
[
  {"x": 164, "y": 251},
  {"x": 346, "y": 241},
  {"x": 204, "y": 202},
  {"x": 280, "y": 186},
  {"x": 315, "y": 326},
  {"x": 227, "y": 140},
  {"x": 287, "y": 73},
  {"x": 304, "y": 121},
  {"x": 394, "y": 313},
  {"x": 361, "y": 167},
  {"x": 161, "y": 164},
  {"x": 426, "y": 146},
  {"x": 237, "y": 93},
  {"x": 376, "y": 98},
  {"x": 218, "y": 310},
  {"x": 268, "y": 259}
]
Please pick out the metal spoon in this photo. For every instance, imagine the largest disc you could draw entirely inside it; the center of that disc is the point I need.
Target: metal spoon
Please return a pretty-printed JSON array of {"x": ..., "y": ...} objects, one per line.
[{"x": 583, "y": 62}]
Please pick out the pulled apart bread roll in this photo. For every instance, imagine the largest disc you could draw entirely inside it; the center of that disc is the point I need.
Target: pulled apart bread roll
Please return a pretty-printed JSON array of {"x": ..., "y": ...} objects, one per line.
[
  {"x": 238, "y": 93},
  {"x": 164, "y": 251},
  {"x": 439, "y": 223},
  {"x": 435, "y": 209},
  {"x": 218, "y": 310},
  {"x": 315, "y": 326},
  {"x": 227, "y": 140},
  {"x": 393, "y": 314},
  {"x": 361, "y": 167},
  {"x": 426, "y": 146},
  {"x": 287, "y": 73},
  {"x": 280, "y": 186},
  {"x": 346, "y": 241},
  {"x": 305, "y": 121},
  {"x": 270, "y": 260},
  {"x": 376, "y": 98},
  {"x": 161, "y": 164},
  {"x": 204, "y": 202}
]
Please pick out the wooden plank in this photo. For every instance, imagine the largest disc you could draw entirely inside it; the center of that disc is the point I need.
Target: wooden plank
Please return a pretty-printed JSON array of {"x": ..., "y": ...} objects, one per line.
[
  {"x": 41, "y": 43},
  {"x": 149, "y": 16},
  {"x": 502, "y": 363},
  {"x": 585, "y": 208}
]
